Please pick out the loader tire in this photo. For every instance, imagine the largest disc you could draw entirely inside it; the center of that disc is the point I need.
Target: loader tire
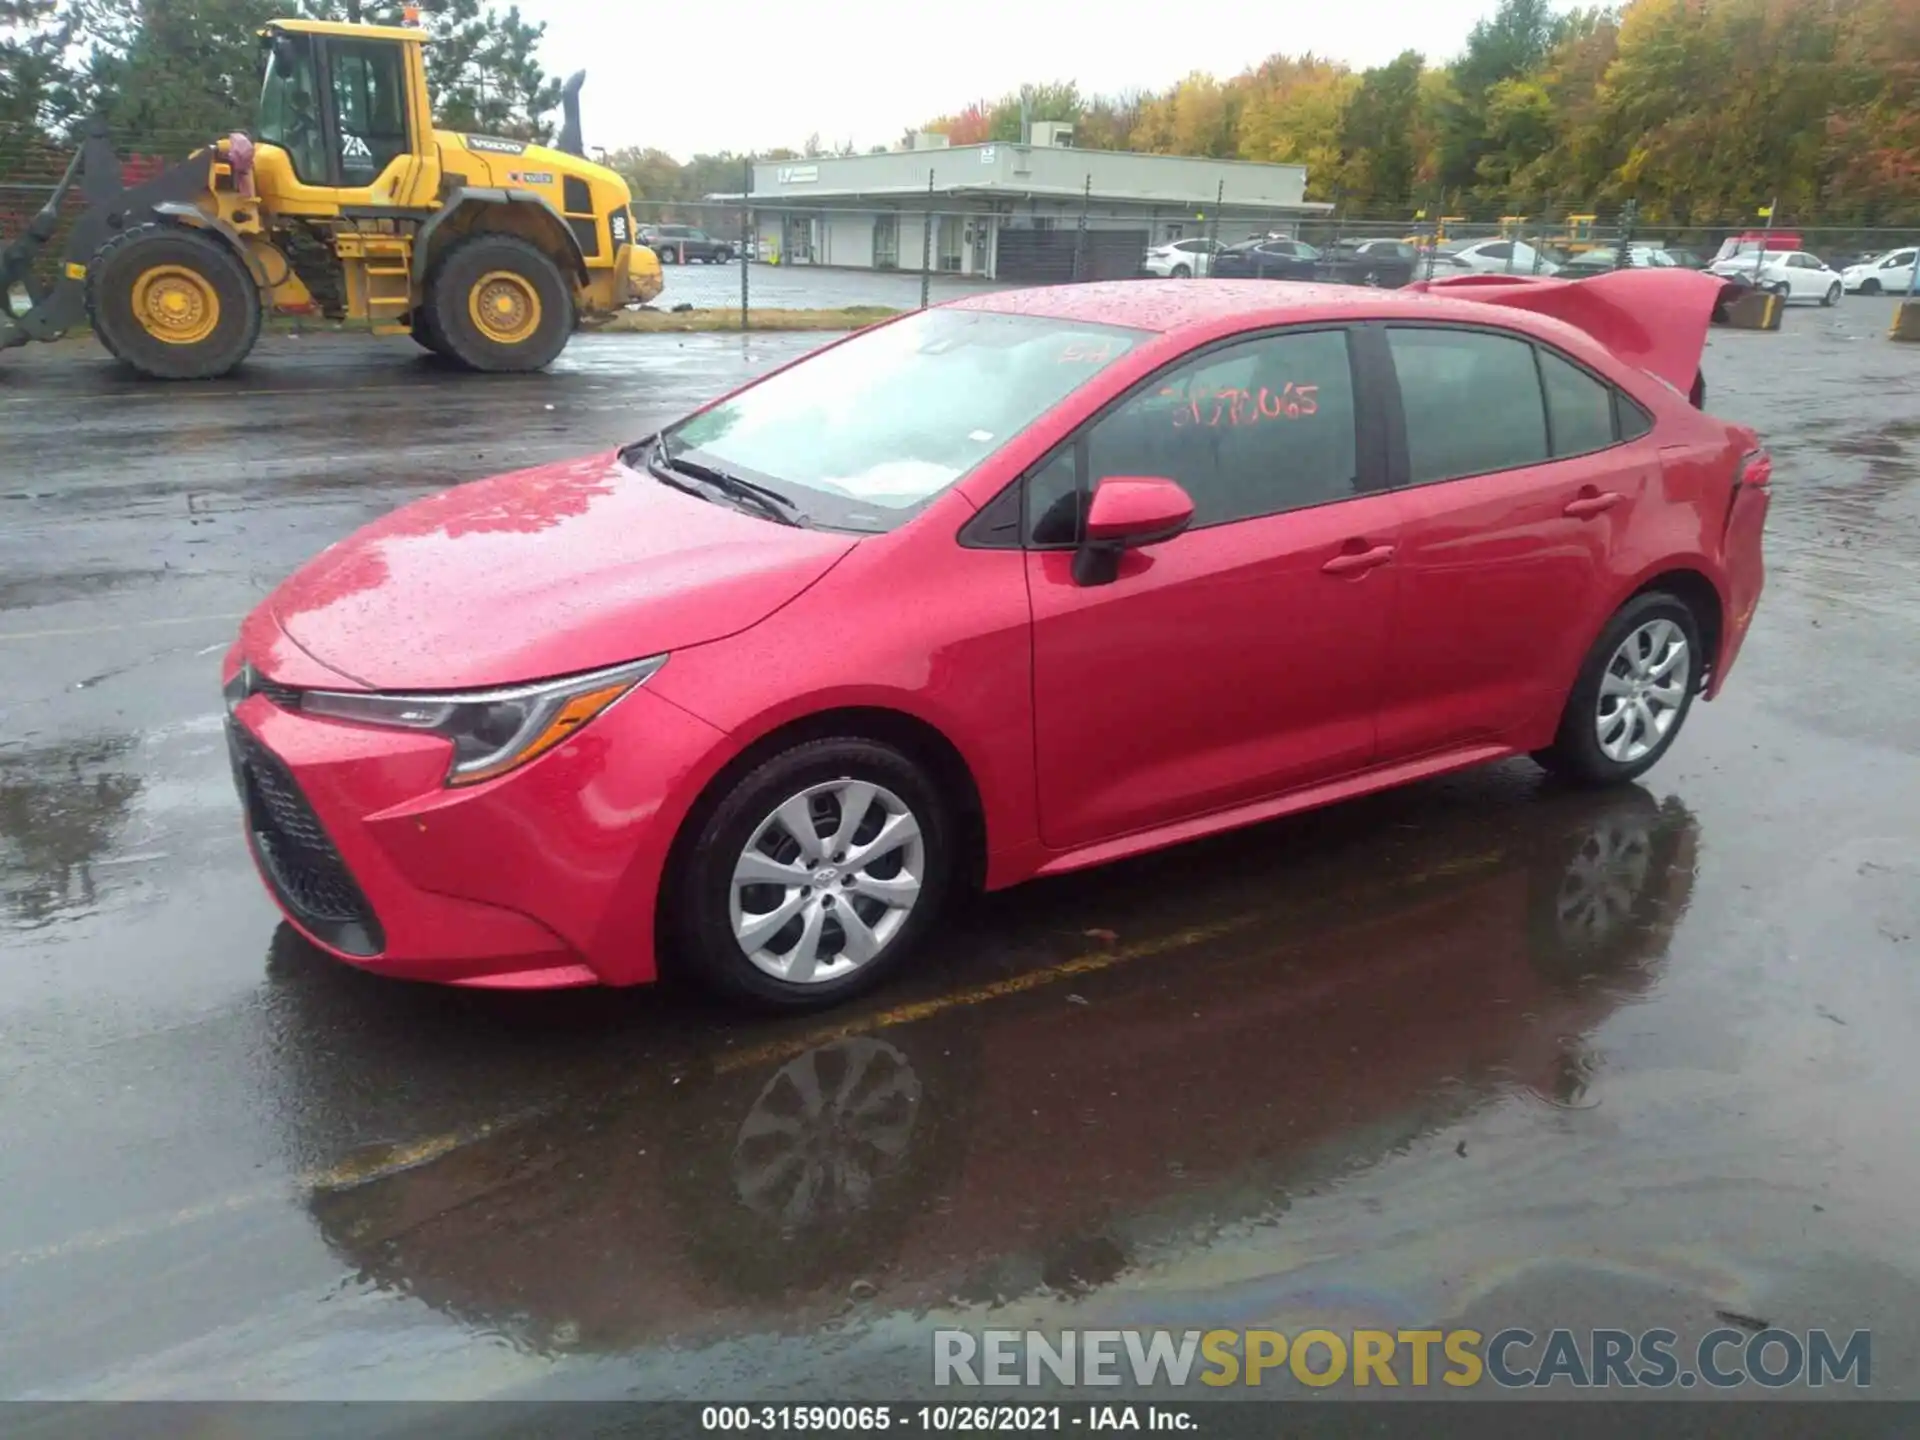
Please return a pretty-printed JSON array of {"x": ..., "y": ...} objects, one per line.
[
  {"x": 425, "y": 335},
  {"x": 497, "y": 303},
  {"x": 173, "y": 303}
]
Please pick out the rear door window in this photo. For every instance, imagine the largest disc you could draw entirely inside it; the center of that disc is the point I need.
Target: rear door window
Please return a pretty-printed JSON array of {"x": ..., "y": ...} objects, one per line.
[
  {"x": 1579, "y": 407},
  {"x": 1472, "y": 402}
]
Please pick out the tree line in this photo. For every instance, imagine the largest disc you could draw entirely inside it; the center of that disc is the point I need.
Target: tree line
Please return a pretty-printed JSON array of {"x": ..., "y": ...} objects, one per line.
[
  {"x": 178, "y": 72},
  {"x": 1699, "y": 111}
]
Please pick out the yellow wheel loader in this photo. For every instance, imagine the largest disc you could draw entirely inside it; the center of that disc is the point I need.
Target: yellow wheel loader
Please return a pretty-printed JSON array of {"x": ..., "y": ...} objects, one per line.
[{"x": 344, "y": 199}]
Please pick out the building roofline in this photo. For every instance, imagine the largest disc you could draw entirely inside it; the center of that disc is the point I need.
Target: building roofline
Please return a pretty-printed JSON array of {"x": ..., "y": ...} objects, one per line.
[{"x": 773, "y": 200}]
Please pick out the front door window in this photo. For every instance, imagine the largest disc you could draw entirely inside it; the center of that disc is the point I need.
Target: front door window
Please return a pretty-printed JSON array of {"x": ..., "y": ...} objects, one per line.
[{"x": 290, "y": 107}]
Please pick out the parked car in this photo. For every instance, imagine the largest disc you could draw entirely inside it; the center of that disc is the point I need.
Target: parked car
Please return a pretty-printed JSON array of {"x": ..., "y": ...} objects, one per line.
[
  {"x": 1891, "y": 272},
  {"x": 683, "y": 244},
  {"x": 1792, "y": 275},
  {"x": 1687, "y": 259},
  {"x": 754, "y": 695},
  {"x": 1178, "y": 259},
  {"x": 1604, "y": 259},
  {"x": 1499, "y": 257},
  {"x": 1266, "y": 260},
  {"x": 1385, "y": 264}
]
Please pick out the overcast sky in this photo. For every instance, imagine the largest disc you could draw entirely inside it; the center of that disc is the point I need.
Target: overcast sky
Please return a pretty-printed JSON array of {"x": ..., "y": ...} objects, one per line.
[{"x": 752, "y": 74}]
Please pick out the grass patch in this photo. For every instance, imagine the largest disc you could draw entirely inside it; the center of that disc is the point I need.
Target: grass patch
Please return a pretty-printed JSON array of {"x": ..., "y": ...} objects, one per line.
[{"x": 656, "y": 322}]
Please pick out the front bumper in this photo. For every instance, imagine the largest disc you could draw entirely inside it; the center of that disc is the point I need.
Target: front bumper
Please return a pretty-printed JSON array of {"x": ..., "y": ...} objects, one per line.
[{"x": 545, "y": 877}]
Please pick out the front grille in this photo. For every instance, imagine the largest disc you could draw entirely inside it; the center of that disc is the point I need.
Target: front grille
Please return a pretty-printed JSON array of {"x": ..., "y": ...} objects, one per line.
[{"x": 300, "y": 862}]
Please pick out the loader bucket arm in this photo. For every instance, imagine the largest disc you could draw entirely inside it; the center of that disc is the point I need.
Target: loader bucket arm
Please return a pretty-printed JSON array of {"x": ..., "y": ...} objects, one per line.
[{"x": 111, "y": 208}]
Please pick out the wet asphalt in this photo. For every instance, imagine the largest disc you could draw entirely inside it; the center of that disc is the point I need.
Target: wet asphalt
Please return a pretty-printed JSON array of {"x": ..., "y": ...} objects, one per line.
[{"x": 1479, "y": 1052}]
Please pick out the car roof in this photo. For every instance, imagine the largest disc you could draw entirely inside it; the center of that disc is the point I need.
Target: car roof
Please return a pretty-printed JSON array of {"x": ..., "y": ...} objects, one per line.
[{"x": 1172, "y": 306}]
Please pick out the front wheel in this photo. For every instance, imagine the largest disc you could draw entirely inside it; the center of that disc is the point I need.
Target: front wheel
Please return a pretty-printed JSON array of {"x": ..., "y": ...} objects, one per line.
[
  {"x": 173, "y": 303},
  {"x": 818, "y": 873},
  {"x": 498, "y": 303},
  {"x": 1632, "y": 695},
  {"x": 1832, "y": 297},
  {"x": 1870, "y": 287}
]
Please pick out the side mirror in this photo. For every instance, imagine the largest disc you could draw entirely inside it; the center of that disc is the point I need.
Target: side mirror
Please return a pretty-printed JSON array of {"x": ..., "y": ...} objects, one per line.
[
  {"x": 286, "y": 57},
  {"x": 1126, "y": 513}
]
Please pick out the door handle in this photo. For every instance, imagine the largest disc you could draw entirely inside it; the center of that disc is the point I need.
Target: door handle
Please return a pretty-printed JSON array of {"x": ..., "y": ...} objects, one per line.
[
  {"x": 1585, "y": 507},
  {"x": 1354, "y": 562}
]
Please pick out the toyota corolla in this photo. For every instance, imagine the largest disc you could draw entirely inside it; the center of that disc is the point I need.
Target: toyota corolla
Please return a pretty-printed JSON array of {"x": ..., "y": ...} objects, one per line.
[{"x": 1000, "y": 589}]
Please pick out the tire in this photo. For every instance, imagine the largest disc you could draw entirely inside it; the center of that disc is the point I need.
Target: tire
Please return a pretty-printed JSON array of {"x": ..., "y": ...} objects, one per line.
[
  {"x": 1870, "y": 286},
  {"x": 516, "y": 273},
  {"x": 1181, "y": 272},
  {"x": 1577, "y": 754},
  {"x": 1832, "y": 297},
  {"x": 173, "y": 303},
  {"x": 700, "y": 923},
  {"x": 425, "y": 335}
]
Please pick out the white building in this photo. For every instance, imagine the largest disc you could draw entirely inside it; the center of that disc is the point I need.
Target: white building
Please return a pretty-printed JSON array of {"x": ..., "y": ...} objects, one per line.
[{"x": 1011, "y": 211}]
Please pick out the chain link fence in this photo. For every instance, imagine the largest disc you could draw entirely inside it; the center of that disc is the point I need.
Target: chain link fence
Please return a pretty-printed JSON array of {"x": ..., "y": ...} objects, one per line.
[
  {"x": 903, "y": 251},
  {"x": 899, "y": 254}
]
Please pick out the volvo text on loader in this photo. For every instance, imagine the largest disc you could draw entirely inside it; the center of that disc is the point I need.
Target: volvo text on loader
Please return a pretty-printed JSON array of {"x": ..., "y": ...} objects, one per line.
[{"x": 343, "y": 199}]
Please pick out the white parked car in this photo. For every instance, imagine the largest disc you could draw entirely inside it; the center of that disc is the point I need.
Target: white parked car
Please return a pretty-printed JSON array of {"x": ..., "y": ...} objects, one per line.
[
  {"x": 1499, "y": 257},
  {"x": 1790, "y": 274},
  {"x": 1178, "y": 259},
  {"x": 1891, "y": 273}
]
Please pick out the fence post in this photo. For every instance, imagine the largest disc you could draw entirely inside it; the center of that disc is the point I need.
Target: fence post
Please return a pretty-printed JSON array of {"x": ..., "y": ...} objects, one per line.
[
  {"x": 1080, "y": 237},
  {"x": 1623, "y": 253},
  {"x": 926, "y": 247},
  {"x": 746, "y": 239},
  {"x": 1213, "y": 226}
]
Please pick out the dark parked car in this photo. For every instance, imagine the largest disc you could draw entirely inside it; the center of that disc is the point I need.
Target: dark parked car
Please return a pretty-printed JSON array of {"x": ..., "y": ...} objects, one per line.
[
  {"x": 1267, "y": 260},
  {"x": 683, "y": 244},
  {"x": 1384, "y": 264}
]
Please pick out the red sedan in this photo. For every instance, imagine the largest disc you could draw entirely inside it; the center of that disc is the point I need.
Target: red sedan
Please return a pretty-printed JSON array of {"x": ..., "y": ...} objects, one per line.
[{"x": 1004, "y": 588}]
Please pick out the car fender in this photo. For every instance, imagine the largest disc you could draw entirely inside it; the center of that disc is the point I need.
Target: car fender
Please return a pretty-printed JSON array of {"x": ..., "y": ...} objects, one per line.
[{"x": 1623, "y": 587}]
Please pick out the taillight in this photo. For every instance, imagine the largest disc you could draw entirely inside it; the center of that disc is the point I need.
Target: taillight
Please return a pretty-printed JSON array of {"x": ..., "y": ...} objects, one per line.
[{"x": 1756, "y": 469}]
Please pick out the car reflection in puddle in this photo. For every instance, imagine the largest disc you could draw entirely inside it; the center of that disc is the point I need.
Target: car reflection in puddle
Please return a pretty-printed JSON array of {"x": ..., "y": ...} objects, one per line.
[{"x": 686, "y": 1181}]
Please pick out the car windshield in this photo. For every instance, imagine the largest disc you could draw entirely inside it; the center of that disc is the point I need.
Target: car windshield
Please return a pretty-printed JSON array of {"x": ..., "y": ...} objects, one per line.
[{"x": 877, "y": 426}]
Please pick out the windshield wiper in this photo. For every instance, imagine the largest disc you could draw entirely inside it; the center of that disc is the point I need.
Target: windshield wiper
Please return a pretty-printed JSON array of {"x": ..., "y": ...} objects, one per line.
[{"x": 768, "y": 502}]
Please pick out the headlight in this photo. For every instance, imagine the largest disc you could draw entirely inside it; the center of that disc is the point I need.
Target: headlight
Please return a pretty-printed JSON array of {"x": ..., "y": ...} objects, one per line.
[{"x": 493, "y": 731}]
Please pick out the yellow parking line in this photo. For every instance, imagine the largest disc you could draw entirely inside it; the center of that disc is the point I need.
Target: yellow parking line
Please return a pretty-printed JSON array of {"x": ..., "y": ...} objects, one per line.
[
  {"x": 66, "y": 634},
  {"x": 979, "y": 994}
]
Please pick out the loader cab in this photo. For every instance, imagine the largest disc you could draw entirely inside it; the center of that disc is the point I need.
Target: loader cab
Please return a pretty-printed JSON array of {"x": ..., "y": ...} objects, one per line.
[{"x": 344, "y": 106}]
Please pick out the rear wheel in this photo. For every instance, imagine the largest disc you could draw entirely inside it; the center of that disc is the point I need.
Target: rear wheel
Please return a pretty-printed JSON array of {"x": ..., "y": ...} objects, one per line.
[
  {"x": 1832, "y": 297},
  {"x": 817, "y": 874},
  {"x": 173, "y": 303},
  {"x": 1633, "y": 693},
  {"x": 1182, "y": 272},
  {"x": 498, "y": 303}
]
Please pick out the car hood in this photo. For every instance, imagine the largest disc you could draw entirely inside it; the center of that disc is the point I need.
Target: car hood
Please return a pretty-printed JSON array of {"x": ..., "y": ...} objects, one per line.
[{"x": 543, "y": 572}]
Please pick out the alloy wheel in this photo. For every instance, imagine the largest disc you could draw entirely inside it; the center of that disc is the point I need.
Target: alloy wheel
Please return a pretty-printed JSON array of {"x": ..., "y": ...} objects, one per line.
[
  {"x": 827, "y": 881},
  {"x": 1642, "y": 691}
]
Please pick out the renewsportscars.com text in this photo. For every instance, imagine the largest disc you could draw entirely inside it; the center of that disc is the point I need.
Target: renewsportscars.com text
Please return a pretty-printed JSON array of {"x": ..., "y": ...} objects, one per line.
[{"x": 1722, "y": 1359}]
